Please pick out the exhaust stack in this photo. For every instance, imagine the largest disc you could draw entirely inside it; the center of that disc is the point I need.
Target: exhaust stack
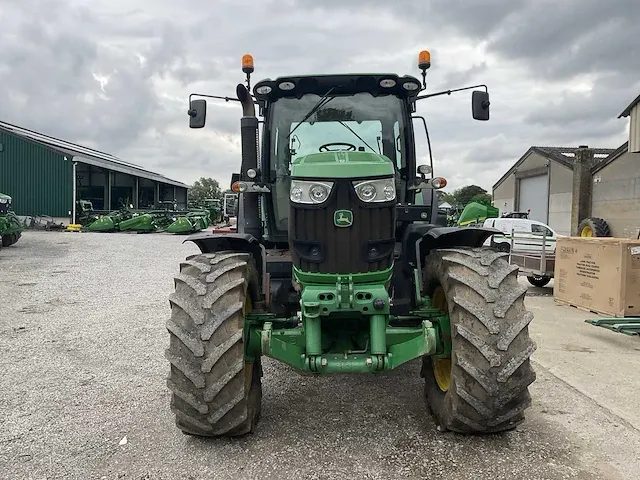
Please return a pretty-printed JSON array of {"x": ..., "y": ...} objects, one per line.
[{"x": 248, "y": 209}]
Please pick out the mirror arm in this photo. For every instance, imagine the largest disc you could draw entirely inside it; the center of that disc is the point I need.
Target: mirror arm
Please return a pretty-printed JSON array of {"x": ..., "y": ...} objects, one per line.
[
  {"x": 449, "y": 92},
  {"x": 226, "y": 99}
]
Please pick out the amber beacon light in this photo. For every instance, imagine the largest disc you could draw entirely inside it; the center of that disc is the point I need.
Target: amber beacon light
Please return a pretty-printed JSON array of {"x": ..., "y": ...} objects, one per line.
[
  {"x": 247, "y": 63},
  {"x": 424, "y": 60}
]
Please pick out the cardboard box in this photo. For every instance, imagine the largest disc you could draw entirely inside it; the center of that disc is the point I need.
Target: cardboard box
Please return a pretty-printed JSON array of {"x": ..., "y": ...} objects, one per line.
[{"x": 599, "y": 274}]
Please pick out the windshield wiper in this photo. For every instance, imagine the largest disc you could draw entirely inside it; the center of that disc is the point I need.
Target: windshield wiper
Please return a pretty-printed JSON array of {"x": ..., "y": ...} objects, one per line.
[
  {"x": 359, "y": 137},
  {"x": 321, "y": 103}
]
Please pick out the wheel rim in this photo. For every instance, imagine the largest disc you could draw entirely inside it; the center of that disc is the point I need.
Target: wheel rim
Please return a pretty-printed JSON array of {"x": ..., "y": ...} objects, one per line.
[
  {"x": 586, "y": 231},
  {"x": 441, "y": 366}
]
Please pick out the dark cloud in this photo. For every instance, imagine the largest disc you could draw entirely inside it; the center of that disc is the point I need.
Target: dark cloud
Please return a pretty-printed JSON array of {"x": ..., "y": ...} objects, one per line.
[
  {"x": 475, "y": 20},
  {"x": 574, "y": 109},
  {"x": 563, "y": 39},
  {"x": 116, "y": 75}
]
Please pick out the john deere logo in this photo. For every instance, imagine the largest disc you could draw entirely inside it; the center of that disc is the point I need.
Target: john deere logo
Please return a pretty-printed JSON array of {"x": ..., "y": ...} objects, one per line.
[{"x": 343, "y": 218}]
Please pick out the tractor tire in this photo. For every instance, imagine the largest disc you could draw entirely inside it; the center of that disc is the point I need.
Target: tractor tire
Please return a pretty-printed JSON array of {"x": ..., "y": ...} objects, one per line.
[
  {"x": 538, "y": 280},
  {"x": 594, "y": 227},
  {"x": 502, "y": 247},
  {"x": 489, "y": 370},
  {"x": 10, "y": 239},
  {"x": 215, "y": 391}
]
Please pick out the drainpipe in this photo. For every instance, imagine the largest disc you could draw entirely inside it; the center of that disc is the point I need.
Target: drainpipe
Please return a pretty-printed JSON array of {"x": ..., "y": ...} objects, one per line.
[
  {"x": 548, "y": 190},
  {"x": 108, "y": 190},
  {"x": 137, "y": 196},
  {"x": 75, "y": 181}
]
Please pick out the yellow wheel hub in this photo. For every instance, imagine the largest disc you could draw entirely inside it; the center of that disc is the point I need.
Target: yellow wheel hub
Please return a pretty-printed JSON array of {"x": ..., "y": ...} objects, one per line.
[
  {"x": 442, "y": 372},
  {"x": 586, "y": 231},
  {"x": 441, "y": 366}
]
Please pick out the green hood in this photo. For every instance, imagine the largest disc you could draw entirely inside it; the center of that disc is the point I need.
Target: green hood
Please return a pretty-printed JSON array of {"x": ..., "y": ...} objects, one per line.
[
  {"x": 342, "y": 165},
  {"x": 477, "y": 212}
]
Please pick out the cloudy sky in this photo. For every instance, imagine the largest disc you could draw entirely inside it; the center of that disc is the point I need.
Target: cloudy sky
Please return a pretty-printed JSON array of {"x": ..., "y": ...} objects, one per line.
[{"x": 116, "y": 75}]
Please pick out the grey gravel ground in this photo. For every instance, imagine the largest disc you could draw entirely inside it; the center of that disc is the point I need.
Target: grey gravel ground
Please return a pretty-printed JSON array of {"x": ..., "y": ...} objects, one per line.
[{"x": 82, "y": 338}]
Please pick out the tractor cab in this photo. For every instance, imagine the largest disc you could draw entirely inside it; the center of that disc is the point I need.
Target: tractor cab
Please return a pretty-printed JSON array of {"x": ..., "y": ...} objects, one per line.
[
  {"x": 335, "y": 126},
  {"x": 5, "y": 203}
]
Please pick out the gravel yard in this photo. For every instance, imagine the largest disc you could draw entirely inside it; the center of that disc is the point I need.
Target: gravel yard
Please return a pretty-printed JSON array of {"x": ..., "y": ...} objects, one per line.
[{"x": 82, "y": 337}]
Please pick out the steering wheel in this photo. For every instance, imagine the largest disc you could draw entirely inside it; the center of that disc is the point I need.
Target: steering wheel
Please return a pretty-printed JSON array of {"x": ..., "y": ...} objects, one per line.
[{"x": 325, "y": 147}]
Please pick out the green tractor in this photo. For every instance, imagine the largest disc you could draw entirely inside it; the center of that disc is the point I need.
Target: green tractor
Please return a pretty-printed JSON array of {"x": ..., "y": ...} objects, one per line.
[
  {"x": 85, "y": 214},
  {"x": 214, "y": 209},
  {"x": 10, "y": 226},
  {"x": 335, "y": 269}
]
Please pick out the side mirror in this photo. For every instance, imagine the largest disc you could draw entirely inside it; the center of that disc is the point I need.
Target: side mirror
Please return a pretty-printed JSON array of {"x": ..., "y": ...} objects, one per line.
[
  {"x": 198, "y": 113},
  {"x": 480, "y": 105}
]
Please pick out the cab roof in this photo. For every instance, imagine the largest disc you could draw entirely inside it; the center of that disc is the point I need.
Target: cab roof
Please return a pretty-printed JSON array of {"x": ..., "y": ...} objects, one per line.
[{"x": 338, "y": 84}]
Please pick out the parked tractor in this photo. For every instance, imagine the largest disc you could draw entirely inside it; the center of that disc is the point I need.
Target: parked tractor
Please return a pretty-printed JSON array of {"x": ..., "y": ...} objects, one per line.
[
  {"x": 335, "y": 269},
  {"x": 10, "y": 226},
  {"x": 85, "y": 214}
]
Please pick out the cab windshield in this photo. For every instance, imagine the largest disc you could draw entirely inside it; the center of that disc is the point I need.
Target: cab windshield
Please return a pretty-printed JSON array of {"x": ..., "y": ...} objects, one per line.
[{"x": 359, "y": 122}]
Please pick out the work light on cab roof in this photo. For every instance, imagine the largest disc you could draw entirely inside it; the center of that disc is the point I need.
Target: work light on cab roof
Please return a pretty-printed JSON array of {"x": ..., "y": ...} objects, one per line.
[{"x": 342, "y": 262}]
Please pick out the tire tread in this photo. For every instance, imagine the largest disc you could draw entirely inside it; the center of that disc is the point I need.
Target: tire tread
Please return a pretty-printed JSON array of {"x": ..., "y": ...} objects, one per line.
[
  {"x": 491, "y": 368},
  {"x": 209, "y": 395}
]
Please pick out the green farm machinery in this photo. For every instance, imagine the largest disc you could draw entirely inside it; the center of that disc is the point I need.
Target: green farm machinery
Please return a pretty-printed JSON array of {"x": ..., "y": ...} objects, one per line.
[
  {"x": 85, "y": 213},
  {"x": 213, "y": 206},
  {"x": 191, "y": 222},
  {"x": 109, "y": 222},
  {"x": 475, "y": 213},
  {"x": 10, "y": 226},
  {"x": 626, "y": 325},
  {"x": 148, "y": 221},
  {"x": 341, "y": 263}
]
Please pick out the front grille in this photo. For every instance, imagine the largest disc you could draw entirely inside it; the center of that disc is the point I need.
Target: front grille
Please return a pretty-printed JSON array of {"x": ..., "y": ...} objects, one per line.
[{"x": 318, "y": 246}]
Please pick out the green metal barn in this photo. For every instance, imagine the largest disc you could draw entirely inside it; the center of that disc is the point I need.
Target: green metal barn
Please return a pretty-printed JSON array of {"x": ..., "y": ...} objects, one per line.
[{"x": 38, "y": 172}]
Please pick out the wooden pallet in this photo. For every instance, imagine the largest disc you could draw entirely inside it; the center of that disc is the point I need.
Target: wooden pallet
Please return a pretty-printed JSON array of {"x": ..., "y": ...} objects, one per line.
[{"x": 585, "y": 309}]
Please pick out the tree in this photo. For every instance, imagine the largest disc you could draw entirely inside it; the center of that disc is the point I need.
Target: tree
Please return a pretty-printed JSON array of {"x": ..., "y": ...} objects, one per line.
[
  {"x": 467, "y": 194},
  {"x": 446, "y": 197},
  {"x": 482, "y": 198},
  {"x": 203, "y": 189}
]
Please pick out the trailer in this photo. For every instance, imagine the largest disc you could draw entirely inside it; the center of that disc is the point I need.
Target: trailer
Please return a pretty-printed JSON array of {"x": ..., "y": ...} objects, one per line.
[{"x": 538, "y": 266}]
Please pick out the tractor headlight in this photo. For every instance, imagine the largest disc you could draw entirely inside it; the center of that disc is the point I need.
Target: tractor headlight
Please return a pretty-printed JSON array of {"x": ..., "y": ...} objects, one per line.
[
  {"x": 380, "y": 190},
  {"x": 309, "y": 192},
  {"x": 3, "y": 200}
]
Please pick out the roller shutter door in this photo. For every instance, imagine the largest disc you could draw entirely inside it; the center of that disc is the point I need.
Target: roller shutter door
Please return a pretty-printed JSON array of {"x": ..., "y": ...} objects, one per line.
[{"x": 534, "y": 196}]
